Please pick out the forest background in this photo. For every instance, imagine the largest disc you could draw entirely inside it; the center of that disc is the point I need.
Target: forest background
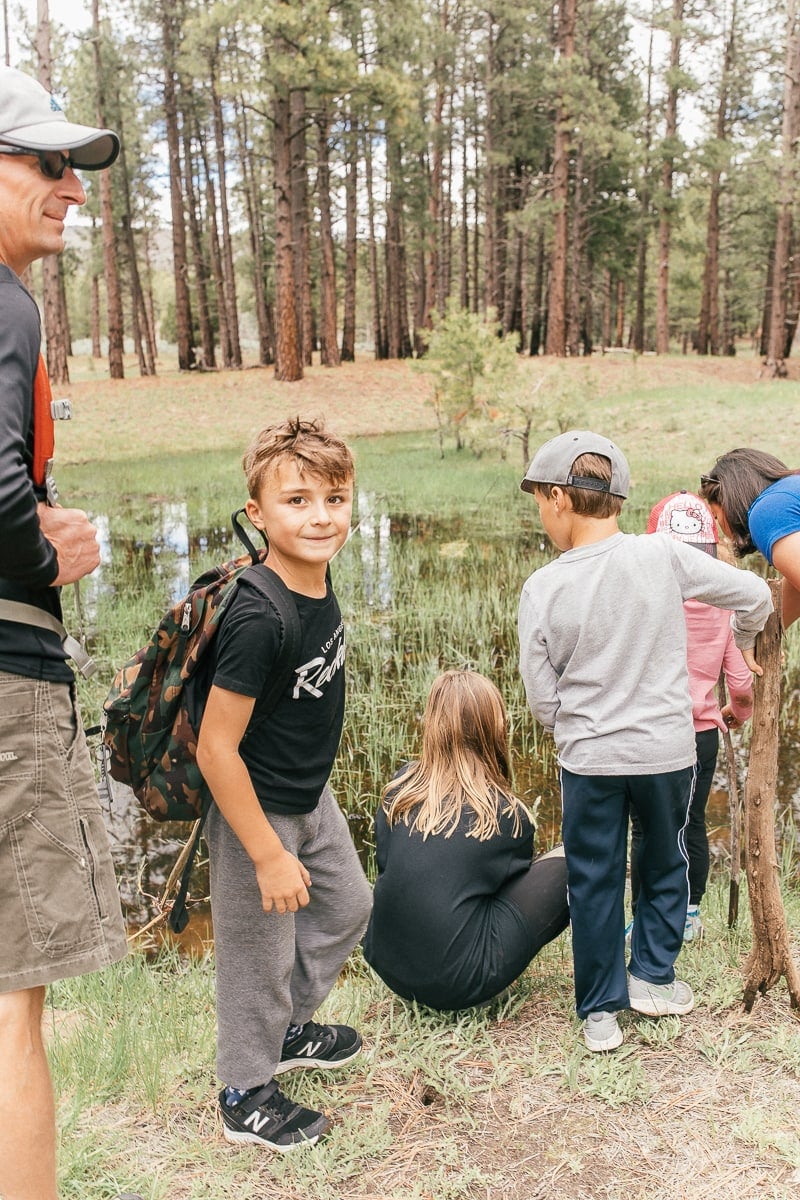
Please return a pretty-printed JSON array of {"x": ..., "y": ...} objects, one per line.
[{"x": 302, "y": 177}]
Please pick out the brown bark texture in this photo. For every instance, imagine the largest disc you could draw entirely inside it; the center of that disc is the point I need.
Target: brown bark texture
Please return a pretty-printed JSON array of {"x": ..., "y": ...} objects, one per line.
[
  {"x": 557, "y": 293},
  {"x": 770, "y": 958},
  {"x": 288, "y": 362},
  {"x": 667, "y": 176},
  {"x": 790, "y": 128},
  {"x": 183, "y": 311},
  {"x": 329, "y": 349}
]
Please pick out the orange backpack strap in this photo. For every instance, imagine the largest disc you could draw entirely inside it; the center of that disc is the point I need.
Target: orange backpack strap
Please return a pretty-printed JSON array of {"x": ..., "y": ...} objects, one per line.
[{"x": 44, "y": 439}]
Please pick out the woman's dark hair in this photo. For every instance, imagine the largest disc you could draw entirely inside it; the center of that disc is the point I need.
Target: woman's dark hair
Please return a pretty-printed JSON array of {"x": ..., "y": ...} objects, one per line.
[{"x": 734, "y": 482}]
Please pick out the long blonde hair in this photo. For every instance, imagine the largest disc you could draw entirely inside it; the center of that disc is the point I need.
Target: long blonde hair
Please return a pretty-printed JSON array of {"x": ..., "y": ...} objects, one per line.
[{"x": 464, "y": 762}]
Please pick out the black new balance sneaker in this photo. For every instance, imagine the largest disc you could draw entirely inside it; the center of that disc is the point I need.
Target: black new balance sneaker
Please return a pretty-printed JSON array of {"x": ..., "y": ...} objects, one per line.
[
  {"x": 268, "y": 1118},
  {"x": 322, "y": 1046}
]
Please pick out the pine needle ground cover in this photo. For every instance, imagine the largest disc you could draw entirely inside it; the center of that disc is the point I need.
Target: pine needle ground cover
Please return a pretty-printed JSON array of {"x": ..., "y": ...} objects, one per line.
[{"x": 504, "y": 1102}]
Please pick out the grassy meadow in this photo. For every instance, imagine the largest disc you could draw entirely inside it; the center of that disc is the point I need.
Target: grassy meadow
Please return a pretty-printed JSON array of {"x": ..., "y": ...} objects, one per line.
[{"x": 503, "y": 1102}]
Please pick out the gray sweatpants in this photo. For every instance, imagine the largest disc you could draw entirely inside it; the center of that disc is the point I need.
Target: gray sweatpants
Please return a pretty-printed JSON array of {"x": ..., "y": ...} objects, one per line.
[{"x": 277, "y": 968}]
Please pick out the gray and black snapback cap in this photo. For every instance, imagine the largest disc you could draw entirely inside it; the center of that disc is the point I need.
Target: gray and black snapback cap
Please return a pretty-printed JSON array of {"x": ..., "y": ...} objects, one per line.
[{"x": 552, "y": 463}]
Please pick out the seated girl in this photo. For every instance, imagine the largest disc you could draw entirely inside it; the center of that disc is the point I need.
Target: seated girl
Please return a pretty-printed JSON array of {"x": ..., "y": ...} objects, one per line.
[{"x": 459, "y": 908}]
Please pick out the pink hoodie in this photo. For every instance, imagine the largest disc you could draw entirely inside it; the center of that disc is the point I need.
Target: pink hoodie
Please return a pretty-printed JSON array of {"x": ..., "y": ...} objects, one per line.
[{"x": 710, "y": 648}]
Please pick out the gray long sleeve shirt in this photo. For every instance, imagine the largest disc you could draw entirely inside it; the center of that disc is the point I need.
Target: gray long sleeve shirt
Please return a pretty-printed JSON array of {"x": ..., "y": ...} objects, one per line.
[{"x": 603, "y": 648}]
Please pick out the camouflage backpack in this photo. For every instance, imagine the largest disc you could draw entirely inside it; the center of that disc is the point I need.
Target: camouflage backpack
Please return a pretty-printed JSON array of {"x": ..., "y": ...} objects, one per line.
[{"x": 153, "y": 711}]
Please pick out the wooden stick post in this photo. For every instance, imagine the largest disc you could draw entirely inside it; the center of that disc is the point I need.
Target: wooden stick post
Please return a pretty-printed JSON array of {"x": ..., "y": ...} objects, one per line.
[
  {"x": 735, "y": 811},
  {"x": 770, "y": 957}
]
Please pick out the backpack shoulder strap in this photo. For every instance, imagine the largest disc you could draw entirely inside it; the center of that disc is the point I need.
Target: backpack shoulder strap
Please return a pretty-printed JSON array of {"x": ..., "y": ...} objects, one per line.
[
  {"x": 272, "y": 587},
  {"x": 43, "y": 425}
]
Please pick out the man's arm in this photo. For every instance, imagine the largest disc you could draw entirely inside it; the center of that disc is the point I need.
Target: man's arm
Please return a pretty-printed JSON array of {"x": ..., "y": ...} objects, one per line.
[{"x": 282, "y": 878}]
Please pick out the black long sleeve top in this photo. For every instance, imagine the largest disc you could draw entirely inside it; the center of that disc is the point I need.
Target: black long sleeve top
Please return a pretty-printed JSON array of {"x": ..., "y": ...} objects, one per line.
[{"x": 28, "y": 563}]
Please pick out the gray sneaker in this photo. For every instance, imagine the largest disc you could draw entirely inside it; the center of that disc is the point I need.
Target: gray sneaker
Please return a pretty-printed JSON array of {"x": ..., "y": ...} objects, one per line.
[
  {"x": 660, "y": 999},
  {"x": 601, "y": 1031}
]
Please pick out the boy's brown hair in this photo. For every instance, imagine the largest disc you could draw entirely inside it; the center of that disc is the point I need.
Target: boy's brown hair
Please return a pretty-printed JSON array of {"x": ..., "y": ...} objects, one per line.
[
  {"x": 586, "y": 501},
  {"x": 307, "y": 443}
]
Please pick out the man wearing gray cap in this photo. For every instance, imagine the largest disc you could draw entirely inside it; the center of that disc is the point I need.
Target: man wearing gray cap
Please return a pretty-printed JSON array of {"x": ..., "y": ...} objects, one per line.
[
  {"x": 59, "y": 906},
  {"x": 603, "y": 658}
]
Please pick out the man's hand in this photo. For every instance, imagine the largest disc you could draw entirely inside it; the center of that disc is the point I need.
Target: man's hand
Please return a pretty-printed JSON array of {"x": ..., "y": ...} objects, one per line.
[
  {"x": 74, "y": 539},
  {"x": 284, "y": 883}
]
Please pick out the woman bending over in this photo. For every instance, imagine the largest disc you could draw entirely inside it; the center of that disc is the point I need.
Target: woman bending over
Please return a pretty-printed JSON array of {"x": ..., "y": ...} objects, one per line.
[{"x": 756, "y": 500}]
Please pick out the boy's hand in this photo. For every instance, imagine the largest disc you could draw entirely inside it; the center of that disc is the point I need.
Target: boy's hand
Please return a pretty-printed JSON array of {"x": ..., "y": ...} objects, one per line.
[
  {"x": 750, "y": 658},
  {"x": 284, "y": 883}
]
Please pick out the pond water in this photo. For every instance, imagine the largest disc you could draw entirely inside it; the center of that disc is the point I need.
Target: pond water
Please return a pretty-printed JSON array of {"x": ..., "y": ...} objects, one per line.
[{"x": 419, "y": 595}]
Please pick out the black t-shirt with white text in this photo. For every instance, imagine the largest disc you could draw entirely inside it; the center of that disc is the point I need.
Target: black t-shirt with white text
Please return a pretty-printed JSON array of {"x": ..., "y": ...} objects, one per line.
[{"x": 289, "y": 754}]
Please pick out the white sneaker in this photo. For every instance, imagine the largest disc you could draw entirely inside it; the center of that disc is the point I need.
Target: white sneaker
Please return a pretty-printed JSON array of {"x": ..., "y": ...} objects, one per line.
[
  {"x": 693, "y": 929},
  {"x": 660, "y": 999},
  {"x": 601, "y": 1031}
]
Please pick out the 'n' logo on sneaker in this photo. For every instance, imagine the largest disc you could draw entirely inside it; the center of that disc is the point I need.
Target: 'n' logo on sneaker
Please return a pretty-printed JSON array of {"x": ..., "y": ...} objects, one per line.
[
  {"x": 256, "y": 1120},
  {"x": 310, "y": 1050}
]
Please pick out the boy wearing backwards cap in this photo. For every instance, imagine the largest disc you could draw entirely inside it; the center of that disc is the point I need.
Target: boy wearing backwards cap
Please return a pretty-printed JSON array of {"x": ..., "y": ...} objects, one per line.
[
  {"x": 59, "y": 907},
  {"x": 603, "y": 660}
]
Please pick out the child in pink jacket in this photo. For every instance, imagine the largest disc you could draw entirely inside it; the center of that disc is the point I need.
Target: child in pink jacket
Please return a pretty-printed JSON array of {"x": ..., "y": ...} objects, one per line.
[{"x": 710, "y": 651}]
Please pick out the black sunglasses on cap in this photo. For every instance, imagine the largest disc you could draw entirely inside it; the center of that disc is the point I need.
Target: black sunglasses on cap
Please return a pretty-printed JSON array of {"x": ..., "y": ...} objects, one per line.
[{"x": 52, "y": 163}]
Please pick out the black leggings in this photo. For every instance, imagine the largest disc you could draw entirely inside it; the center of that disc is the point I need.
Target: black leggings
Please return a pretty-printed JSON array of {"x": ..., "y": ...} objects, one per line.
[
  {"x": 540, "y": 894},
  {"x": 707, "y": 743}
]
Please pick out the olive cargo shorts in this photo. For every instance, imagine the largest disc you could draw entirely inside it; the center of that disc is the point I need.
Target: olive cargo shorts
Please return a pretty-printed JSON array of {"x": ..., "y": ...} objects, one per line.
[{"x": 59, "y": 905}]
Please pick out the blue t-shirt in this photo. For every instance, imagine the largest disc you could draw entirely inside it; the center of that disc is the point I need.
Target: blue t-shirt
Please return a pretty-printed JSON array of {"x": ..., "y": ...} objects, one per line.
[{"x": 775, "y": 514}]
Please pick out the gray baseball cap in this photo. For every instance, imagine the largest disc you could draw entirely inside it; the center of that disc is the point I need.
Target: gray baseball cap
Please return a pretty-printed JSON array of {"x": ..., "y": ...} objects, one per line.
[
  {"x": 32, "y": 119},
  {"x": 552, "y": 463}
]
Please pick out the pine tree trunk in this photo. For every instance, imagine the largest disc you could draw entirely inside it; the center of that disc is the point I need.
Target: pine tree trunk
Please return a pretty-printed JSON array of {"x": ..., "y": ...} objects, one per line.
[
  {"x": 350, "y": 248},
  {"x": 398, "y": 337},
  {"x": 201, "y": 272},
  {"x": 776, "y": 351},
  {"x": 576, "y": 253},
  {"x": 228, "y": 273},
  {"x": 94, "y": 317},
  {"x": 378, "y": 327},
  {"x": 329, "y": 349},
  {"x": 605, "y": 336},
  {"x": 644, "y": 214},
  {"x": 54, "y": 314},
  {"x": 557, "y": 291},
  {"x": 489, "y": 179},
  {"x": 113, "y": 294},
  {"x": 464, "y": 272},
  {"x": 667, "y": 174},
  {"x": 288, "y": 362},
  {"x": 300, "y": 222},
  {"x": 620, "y": 323},
  {"x": 256, "y": 236},
  {"x": 708, "y": 334},
  {"x": 214, "y": 252},
  {"x": 538, "y": 293},
  {"x": 183, "y": 309}
]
